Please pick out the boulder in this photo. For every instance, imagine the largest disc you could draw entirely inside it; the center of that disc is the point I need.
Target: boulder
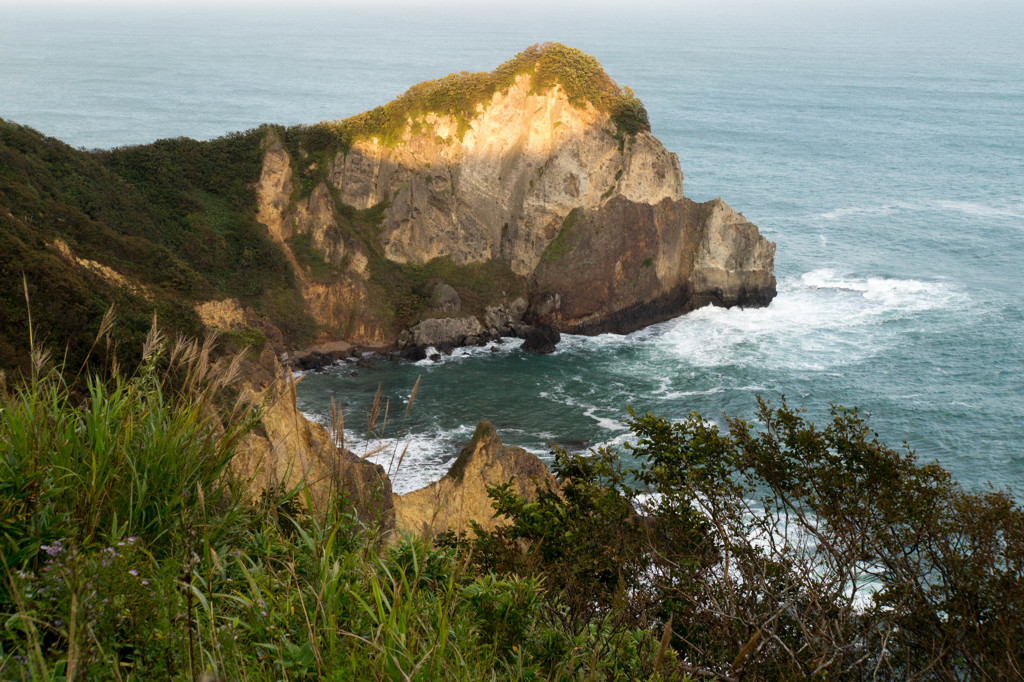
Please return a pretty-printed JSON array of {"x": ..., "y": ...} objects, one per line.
[
  {"x": 446, "y": 331},
  {"x": 501, "y": 320},
  {"x": 542, "y": 340},
  {"x": 445, "y": 299}
]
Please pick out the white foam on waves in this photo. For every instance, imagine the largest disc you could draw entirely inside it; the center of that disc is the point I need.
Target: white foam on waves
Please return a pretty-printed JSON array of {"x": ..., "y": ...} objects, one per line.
[
  {"x": 819, "y": 320},
  {"x": 559, "y": 394},
  {"x": 1012, "y": 209},
  {"x": 427, "y": 455},
  {"x": 983, "y": 210},
  {"x": 508, "y": 345}
]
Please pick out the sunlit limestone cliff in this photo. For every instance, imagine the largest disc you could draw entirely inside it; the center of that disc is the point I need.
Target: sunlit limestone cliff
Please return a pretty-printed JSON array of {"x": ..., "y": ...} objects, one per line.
[{"x": 540, "y": 180}]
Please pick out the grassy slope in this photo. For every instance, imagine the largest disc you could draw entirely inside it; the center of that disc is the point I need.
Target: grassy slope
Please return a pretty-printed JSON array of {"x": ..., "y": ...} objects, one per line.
[{"x": 176, "y": 216}]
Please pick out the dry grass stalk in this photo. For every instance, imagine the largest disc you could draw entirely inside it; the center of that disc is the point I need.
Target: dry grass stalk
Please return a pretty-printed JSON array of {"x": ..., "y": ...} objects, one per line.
[
  {"x": 401, "y": 430},
  {"x": 337, "y": 426}
]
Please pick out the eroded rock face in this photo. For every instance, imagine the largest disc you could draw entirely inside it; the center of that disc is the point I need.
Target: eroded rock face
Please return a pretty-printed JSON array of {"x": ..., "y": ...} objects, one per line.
[
  {"x": 594, "y": 219},
  {"x": 505, "y": 320},
  {"x": 461, "y": 495},
  {"x": 286, "y": 450},
  {"x": 447, "y": 332},
  {"x": 346, "y": 305},
  {"x": 503, "y": 189},
  {"x": 274, "y": 190},
  {"x": 634, "y": 264}
]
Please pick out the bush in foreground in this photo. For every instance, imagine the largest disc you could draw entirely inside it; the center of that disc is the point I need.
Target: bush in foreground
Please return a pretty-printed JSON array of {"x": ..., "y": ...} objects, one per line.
[
  {"x": 778, "y": 551},
  {"x": 128, "y": 554}
]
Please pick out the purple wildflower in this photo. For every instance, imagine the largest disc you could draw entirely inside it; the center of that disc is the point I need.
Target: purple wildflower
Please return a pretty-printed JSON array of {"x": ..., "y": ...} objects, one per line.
[{"x": 53, "y": 550}]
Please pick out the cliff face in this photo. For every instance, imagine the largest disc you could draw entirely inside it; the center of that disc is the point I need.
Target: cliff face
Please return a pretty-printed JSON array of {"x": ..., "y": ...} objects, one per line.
[
  {"x": 286, "y": 451},
  {"x": 504, "y": 188},
  {"x": 589, "y": 218},
  {"x": 634, "y": 264}
]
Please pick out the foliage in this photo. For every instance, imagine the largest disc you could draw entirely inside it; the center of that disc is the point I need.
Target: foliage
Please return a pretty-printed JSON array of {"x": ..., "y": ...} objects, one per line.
[
  {"x": 566, "y": 237},
  {"x": 781, "y": 551},
  {"x": 176, "y": 218},
  {"x": 409, "y": 287},
  {"x": 628, "y": 114},
  {"x": 312, "y": 148},
  {"x": 459, "y": 94},
  {"x": 51, "y": 192},
  {"x": 128, "y": 554},
  {"x": 311, "y": 260},
  {"x": 131, "y": 458},
  {"x": 235, "y": 341},
  {"x": 203, "y": 201}
]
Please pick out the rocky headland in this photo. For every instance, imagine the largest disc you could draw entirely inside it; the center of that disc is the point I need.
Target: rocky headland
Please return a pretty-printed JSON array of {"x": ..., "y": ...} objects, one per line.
[
  {"x": 558, "y": 193},
  {"x": 529, "y": 201}
]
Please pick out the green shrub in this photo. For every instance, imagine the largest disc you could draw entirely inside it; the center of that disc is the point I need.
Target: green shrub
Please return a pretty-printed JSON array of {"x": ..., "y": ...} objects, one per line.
[
  {"x": 565, "y": 238},
  {"x": 782, "y": 551},
  {"x": 408, "y": 287},
  {"x": 310, "y": 259},
  {"x": 458, "y": 94},
  {"x": 234, "y": 341},
  {"x": 140, "y": 455},
  {"x": 629, "y": 114},
  {"x": 176, "y": 218}
]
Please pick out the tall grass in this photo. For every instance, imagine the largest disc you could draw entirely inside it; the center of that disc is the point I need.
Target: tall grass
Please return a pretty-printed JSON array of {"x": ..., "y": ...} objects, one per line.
[
  {"x": 136, "y": 455},
  {"x": 129, "y": 554}
]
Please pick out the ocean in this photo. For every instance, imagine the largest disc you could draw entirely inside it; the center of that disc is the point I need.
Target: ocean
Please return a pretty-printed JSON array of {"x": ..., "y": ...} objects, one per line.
[{"x": 883, "y": 151}]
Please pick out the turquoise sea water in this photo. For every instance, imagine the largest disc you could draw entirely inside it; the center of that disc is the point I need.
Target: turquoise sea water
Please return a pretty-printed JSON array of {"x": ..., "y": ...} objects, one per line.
[{"x": 883, "y": 154}]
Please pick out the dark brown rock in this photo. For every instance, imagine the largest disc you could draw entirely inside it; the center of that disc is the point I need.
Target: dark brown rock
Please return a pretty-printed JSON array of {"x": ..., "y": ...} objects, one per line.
[
  {"x": 542, "y": 340},
  {"x": 635, "y": 264}
]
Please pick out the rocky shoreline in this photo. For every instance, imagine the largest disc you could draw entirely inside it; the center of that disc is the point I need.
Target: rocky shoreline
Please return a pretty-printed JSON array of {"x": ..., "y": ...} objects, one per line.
[{"x": 432, "y": 338}]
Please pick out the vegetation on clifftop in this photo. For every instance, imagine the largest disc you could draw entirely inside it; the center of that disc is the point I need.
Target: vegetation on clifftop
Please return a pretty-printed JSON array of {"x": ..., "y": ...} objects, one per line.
[
  {"x": 176, "y": 218},
  {"x": 459, "y": 94}
]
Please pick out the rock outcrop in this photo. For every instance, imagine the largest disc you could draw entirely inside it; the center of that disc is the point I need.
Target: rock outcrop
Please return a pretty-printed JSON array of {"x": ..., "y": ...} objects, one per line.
[
  {"x": 285, "y": 451},
  {"x": 502, "y": 189},
  {"x": 447, "y": 332},
  {"x": 461, "y": 495},
  {"x": 541, "y": 340},
  {"x": 634, "y": 264},
  {"x": 586, "y": 211}
]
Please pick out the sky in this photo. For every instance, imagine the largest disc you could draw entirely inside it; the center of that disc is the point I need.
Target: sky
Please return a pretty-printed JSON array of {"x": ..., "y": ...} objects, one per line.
[{"x": 567, "y": 7}]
